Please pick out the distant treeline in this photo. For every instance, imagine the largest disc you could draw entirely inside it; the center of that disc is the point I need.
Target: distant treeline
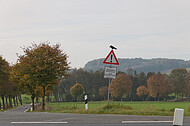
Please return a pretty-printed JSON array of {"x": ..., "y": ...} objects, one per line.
[{"x": 159, "y": 86}]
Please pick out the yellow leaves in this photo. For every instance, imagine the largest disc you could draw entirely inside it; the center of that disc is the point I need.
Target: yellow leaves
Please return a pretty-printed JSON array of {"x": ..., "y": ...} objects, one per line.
[{"x": 39, "y": 90}]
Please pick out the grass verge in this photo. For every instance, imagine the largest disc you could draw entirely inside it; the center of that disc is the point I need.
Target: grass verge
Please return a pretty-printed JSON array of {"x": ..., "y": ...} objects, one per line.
[{"x": 126, "y": 108}]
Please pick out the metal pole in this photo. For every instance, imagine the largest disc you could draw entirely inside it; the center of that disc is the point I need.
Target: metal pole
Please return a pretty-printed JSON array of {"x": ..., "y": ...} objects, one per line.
[{"x": 109, "y": 91}]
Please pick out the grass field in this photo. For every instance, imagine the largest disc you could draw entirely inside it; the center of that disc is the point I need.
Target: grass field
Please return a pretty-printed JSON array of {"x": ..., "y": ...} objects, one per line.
[{"x": 128, "y": 108}]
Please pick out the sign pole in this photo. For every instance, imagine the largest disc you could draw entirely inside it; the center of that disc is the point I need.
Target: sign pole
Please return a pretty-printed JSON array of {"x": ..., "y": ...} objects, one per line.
[
  {"x": 109, "y": 91},
  {"x": 110, "y": 72}
]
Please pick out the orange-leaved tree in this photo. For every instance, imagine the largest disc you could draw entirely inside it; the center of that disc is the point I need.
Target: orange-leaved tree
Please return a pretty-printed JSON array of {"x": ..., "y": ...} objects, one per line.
[
  {"x": 141, "y": 91},
  {"x": 103, "y": 91},
  {"x": 157, "y": 85},
  {"x": 120, "y": 86},
  {"x": 44, "y": 64},
  {"x": 77, "y": 90}
]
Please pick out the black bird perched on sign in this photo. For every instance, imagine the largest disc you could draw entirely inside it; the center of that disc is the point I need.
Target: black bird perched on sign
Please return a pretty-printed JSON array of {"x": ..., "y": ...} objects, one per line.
[{"x": 112, "y": 47}]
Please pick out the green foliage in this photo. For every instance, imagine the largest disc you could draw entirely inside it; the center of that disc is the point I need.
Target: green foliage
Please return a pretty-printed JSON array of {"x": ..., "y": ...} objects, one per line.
[
  {"x": 77, "y": 90},
  {"x": 178, "y": 81},
  {"x": 91, "y": 81}
]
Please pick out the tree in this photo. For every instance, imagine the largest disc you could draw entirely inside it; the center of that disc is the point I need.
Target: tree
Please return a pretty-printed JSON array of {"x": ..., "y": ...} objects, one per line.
[
  {"x": 120, "y": 86},
  {"x": 142, "y": 79},
  {"x": 187, "y": 92},
  {"x": 19, "y": 79},
  {"x": 4, "y": 78},
  {"x": 178, "y": 81},
  {"x": 157, "y": 85},
  {"x": 103, "y": 91},
  {"x": 44, "y": 65},
  {"x": 77, "y": 90},
  {"x": 141, "y": 91},
  {"x": 21, "y": 75}
]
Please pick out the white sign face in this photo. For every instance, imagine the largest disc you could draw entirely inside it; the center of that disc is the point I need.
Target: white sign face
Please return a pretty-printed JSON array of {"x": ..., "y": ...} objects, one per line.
[
  {"x": 110, "y": 72},
  {"x": 111, "y": 59}
]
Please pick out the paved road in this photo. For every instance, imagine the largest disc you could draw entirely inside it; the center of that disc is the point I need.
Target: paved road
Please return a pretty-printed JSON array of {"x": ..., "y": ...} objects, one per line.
[
  {"x": 16, "y": 118},
  {"x": 21, "y": 108}
]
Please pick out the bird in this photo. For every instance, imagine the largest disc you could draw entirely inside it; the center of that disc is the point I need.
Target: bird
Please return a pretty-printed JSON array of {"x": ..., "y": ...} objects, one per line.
[{"x": 112, "y": 47}]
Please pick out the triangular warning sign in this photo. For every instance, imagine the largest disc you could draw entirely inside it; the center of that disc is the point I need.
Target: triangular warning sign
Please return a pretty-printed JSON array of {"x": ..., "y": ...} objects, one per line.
[{"x": 111, "y": 59}]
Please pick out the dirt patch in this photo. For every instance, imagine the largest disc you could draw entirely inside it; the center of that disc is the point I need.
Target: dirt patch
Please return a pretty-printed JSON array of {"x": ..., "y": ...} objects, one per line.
[{"x": 39, "y": 108}]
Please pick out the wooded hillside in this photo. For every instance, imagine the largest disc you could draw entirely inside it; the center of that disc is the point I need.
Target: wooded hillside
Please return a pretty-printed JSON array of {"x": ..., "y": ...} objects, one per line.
[{"x": 139, "y": 65}]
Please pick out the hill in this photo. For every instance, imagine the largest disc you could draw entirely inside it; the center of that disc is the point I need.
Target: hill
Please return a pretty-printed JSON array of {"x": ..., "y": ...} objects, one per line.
[{"x": 162, "y": 65}]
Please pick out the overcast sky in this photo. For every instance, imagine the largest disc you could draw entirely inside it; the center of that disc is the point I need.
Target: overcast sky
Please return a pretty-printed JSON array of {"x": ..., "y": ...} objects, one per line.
[{"x": 86, "y": 28}]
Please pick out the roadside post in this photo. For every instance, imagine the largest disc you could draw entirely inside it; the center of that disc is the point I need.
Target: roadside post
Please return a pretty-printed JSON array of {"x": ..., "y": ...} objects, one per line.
[
  {"x": 178, "y": 117},
  {"x": 31, "y": 109},
  {"x": 110, "y": 71},
  {"x": 86, "y": 102}
]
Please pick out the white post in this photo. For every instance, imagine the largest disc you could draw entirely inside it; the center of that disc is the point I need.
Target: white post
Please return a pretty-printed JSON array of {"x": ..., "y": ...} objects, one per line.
[
  {"x": 86, "y": 102},
  {"x": 178, "y": 117},
  {"x": 31, "y": 108}
]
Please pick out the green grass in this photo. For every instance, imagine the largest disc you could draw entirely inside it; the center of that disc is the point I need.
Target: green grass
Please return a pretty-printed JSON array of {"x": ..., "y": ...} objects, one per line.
[{"x": 128, "y": 108}]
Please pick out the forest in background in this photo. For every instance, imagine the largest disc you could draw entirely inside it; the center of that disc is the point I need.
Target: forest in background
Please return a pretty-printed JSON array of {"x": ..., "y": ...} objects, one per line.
[{"x": 166, "y": 87}]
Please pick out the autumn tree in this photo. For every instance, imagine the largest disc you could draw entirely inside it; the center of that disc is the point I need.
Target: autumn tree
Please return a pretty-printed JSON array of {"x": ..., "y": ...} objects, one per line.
[
  {"x": 187, "y": 91},
  {"x": 77, "y": 90},
  {"x": 103, "y": 91},
  {"x": 4, "y": 79},
  {"x": 141, "y": 91},
  {"x": 157, "y": 85},
  {"x": 177, "y": 81},
  {"x": 19, "y": 79},
  {"x": 120, "y": 86},
  {"x": 44, "y": 64}
]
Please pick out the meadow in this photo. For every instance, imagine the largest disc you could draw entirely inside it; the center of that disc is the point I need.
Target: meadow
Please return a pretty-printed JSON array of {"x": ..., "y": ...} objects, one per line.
[{"x": 126, "y": 108}]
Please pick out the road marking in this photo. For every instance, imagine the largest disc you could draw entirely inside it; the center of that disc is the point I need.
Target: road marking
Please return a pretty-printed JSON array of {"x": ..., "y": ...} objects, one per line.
[
  {"x": 39, "y": 122},
  {"x": 147, "y": 121}
]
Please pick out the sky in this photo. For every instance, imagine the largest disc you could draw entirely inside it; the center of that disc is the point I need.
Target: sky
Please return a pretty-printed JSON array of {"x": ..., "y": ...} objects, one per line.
[{"x": 86, "y": 28}]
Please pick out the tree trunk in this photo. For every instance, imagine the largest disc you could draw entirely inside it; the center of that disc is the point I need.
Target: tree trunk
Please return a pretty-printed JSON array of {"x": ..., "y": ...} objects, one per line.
[
  {"x": 43, "y": 98},
  {"x": 37, "y": 99},
  {"x": 0, "y": 105},
  {"x": 16, "y": 100},
  {"x": 3, "y": 100},
  {"x": 62, "y": 98},
  {"x": 48, "y": 99},
  {"x": 6, "y": 102},
  {"x": 142, "y": 97},
  {"x": 121, "y": 99},
  {"x": 10, "y": 102},
  {"x": 32, "y": 97},
  {"x": 20, "y": 99}
]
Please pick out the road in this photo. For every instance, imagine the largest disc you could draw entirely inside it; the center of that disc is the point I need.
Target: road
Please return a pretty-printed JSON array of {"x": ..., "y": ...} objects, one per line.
[{"x": 16, "y": 118}]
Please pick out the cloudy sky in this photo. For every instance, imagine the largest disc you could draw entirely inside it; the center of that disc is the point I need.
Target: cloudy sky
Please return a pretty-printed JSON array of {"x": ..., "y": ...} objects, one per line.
[{"x": 86, "y": 28}]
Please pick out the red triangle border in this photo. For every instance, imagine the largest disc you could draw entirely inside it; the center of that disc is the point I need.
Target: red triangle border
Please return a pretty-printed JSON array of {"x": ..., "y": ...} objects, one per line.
[{"x": 117, "y": 63}]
